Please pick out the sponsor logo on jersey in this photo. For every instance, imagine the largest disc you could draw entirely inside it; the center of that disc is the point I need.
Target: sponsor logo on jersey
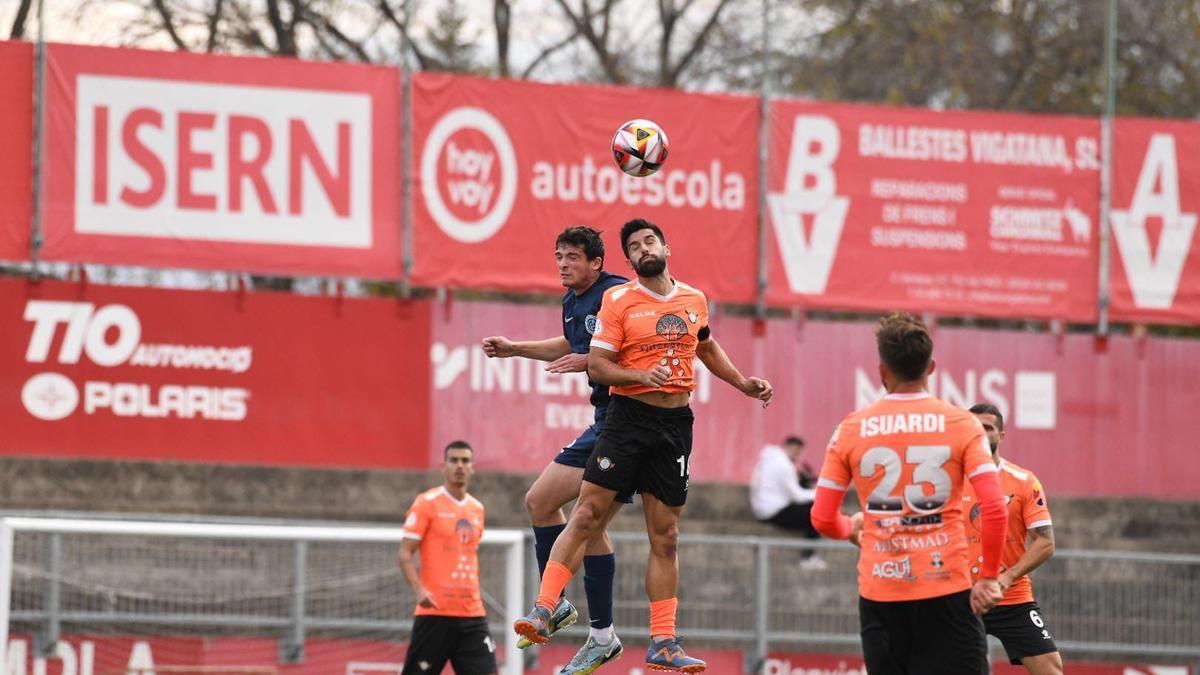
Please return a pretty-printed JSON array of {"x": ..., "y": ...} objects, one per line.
[
  {"x": 671, "y": 327},
  {"x": 894, "y": 569}
]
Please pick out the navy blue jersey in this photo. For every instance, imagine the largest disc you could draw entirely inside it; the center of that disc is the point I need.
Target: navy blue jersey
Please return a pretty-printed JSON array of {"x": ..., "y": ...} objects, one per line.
[{"x": 579, "y": 322}]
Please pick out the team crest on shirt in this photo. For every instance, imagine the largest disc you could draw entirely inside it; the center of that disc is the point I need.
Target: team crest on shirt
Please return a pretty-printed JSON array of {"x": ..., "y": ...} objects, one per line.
[
  {"x": 464, "y": 530},
  {"x": 592, "y": 324},
  {"x": 976, "y": 521},
  {"x": 693, "y": 317},
  {"x": 671, "y": 327}
]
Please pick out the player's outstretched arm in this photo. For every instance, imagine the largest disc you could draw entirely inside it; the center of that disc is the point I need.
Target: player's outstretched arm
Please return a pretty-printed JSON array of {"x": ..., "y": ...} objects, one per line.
[
  {"x": 550, "y": 349},
  {"x": 718, "y": 363},
  {"x": 1041, "y": 547},
  {"x": 602, "y": 368},
  {"x": 408, "y": 552}
]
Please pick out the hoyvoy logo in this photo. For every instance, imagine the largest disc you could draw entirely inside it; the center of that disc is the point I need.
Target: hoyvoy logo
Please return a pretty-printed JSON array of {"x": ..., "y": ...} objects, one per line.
[{"x": 469, "y": 175}]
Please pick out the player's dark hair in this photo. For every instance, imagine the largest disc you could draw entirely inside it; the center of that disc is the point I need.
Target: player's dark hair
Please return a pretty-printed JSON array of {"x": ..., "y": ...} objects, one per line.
[
  {"x": 457, "y": 445},
  {"x": 989, "y": 409},
  {"x": 905, "y": 345},
  {"x": 794, "y": 440},
  {"x": 585, "y": 238},
  {"x": 633, "y": 226}
]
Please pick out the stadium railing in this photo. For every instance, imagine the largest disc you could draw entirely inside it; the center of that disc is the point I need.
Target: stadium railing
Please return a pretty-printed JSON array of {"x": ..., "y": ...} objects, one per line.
[{"x": 296, "y": 582}]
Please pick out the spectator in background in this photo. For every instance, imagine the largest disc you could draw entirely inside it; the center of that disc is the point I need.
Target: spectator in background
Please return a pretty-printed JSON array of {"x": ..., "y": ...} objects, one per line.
[{"x": 783, "y": 496}]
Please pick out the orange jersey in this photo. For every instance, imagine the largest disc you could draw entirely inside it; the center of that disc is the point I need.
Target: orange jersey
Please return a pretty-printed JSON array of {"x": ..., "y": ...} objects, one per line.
[
  {"x": 908, "y": 456},
  {"x": 646, "y": 329},
  {"x": 449, "y": 531},
  {"x": 1027, "y": 509}
]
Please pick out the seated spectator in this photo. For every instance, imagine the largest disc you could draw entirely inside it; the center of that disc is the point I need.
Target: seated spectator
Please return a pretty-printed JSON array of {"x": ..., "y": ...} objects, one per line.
[{"x": 781, "y": 495}]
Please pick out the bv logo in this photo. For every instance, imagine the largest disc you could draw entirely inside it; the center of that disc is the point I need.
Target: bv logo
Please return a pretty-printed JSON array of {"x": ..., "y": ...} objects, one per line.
[
  {"x": 809, "y": 193},
  {"x": 1153, "y": 280},
  {"x": 469, "y": 158}
]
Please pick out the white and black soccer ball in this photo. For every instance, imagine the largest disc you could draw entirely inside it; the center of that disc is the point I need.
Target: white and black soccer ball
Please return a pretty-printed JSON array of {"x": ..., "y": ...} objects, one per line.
[{"x": 640, "y": 147}]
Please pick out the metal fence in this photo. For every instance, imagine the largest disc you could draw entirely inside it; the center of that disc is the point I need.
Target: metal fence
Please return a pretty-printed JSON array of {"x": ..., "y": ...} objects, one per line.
[
  {"x": 757, "y": 594},
  {"x": 766, "y": 594}
]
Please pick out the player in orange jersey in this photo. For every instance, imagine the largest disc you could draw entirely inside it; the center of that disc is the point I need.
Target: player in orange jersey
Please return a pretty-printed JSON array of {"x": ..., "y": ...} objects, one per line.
[
  {"x": 648, "y": 333},
  {"x": 908, "y": 457},
  {"x": 1017, "y": 620},
  {"x": 444, "y": 525}
]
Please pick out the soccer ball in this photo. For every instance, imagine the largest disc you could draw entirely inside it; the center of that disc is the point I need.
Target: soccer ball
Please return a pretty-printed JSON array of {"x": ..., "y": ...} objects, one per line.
[{"x": 640, "y": 147}]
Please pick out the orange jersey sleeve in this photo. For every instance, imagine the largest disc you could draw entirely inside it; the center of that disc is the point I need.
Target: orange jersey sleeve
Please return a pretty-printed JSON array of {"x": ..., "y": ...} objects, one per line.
[
  {"x": 646, "y": 329},
  {"x": 908, "y": 457},
  {"x": 449, "y": 531}
]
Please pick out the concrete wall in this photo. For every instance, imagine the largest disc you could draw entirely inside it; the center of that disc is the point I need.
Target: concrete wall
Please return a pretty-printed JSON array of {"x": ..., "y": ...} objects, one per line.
[{"x": 383, "y": 496}]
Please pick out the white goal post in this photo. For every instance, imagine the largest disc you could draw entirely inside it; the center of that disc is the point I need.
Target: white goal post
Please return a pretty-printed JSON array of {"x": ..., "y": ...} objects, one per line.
[{"x": 512, "y": 542}]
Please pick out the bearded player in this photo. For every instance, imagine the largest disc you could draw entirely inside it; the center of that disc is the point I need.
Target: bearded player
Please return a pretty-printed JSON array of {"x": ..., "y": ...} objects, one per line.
[
  {"x": 1017, "y": 619},
  {"x": 649, "y": 332}
]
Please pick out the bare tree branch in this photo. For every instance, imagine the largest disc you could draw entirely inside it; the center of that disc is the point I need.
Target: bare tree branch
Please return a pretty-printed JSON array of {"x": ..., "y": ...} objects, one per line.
[
  {"x": 18, "y": 27},
  {"x": 502, "y": 18},
  {"x": 168, "y": 24},
  {"x": 547, "y": 53},
  {"x": 214, "y": 24},
  {"x": 598, "y": 42},
  {"x": 285, "y": 37},
  {"x": 698, "y": 44},
  {"x": 323, "y": 24},
  {"x": 424, "y": 61}
]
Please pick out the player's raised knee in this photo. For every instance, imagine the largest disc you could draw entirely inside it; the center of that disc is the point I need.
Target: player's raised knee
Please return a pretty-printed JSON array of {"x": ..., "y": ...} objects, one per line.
[{"x": 538, "y": 506}]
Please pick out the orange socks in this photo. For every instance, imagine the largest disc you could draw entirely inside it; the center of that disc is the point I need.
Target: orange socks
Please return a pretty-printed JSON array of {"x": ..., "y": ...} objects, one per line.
[
  {"x": 662, "y": 616},
  {"x": 554, "y": 580}
]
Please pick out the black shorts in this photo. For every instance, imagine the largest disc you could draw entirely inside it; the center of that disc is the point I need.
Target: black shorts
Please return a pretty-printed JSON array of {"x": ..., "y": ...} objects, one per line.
[
  {"x": 643, "y": 448},
  {"x": 577, "y": 453},
  {"x": 463, "y": 641},
  {"x": 935, "y": 636},
  {"x": 1021, "y": 629}
]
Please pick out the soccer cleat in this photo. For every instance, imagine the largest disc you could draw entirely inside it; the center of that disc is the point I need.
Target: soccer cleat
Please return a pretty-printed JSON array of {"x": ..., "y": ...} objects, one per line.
[
  {"x": 534, "y": 626},
  {"x": 592, "y": 655},
  {"x": 668, "y": 655},
  {"x": 564, "y": 615}
]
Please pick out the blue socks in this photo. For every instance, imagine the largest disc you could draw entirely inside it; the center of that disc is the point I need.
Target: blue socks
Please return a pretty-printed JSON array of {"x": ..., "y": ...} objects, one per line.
[
  {"x": 543, "y": 541},
  {"x": 598, "y": 573}
]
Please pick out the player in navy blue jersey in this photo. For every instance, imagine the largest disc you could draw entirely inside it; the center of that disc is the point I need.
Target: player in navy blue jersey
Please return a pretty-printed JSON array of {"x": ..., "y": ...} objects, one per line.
[{"x": 579, "y": 254}]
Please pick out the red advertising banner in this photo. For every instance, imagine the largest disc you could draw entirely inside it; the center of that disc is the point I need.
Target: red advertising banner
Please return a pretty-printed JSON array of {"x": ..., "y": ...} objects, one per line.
[
  {"x": 502, "y": 167},
  {"x": 258, "y": 378},
  {"x": 1155, "y": 268},
  {"x": 216, "y": 162},
  {"x": 1089, "y": 418},
  {"x": 527, "y": 415},
  {"x": 16, "y": 162},
  {"x": 91, "y": 654},
  {"x": 878, "y": 208},
  {"x": 842, "y": 664}
]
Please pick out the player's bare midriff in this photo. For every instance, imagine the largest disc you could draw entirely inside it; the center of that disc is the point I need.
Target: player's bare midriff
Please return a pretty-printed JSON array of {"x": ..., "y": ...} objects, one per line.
[{"x": 662, "y": 399}]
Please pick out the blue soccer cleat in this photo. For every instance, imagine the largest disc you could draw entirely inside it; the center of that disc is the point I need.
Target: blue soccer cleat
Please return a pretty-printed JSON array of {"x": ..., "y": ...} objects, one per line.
[
  {"x": 534, "y": 626},
  {"x": 668, "y": 655},
  {"x": 564, "y": 615}
]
